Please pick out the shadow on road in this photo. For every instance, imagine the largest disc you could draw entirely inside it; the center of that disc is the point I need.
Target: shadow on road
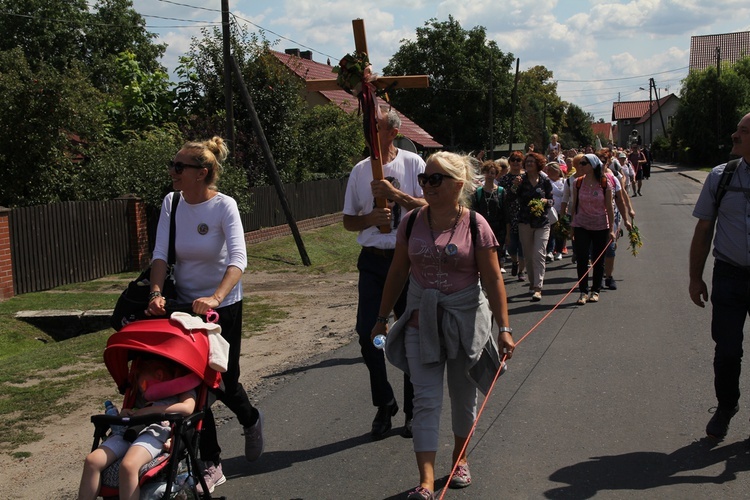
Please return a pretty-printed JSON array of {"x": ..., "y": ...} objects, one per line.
[
  {"x": 326, "y": 363},
  {"x": 278, "y": 460},
  {"x": 646, "y": 470}
]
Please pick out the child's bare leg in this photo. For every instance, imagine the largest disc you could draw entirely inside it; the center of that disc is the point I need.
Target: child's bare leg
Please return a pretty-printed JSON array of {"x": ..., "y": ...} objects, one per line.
[
  {"x": 135, "y": 458},
  {"x": 95, "y": 463}
]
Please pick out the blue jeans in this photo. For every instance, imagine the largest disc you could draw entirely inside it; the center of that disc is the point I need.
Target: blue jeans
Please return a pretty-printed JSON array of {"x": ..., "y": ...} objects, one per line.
[
  {"x": 373, "y": 270},
  {"x": 730, "y": 297}
]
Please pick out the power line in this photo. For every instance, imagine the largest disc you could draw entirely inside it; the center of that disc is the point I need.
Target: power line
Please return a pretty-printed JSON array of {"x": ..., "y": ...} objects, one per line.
[
  {"x": 88, "y": 23},
  {"x": 281, "y": 36},
  {"x": 625, "y": 77},
  {"x": 190, "y": 6}
]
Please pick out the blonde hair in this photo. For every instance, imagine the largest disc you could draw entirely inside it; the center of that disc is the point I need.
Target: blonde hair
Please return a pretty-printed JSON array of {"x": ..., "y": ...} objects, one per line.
[
  {"x": 209, "y": 154},
  {"x": 461, "y": 168}
]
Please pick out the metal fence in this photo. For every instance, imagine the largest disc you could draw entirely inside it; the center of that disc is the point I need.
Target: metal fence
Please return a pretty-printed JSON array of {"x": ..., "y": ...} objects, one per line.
[{"x": 70, "y": 242}]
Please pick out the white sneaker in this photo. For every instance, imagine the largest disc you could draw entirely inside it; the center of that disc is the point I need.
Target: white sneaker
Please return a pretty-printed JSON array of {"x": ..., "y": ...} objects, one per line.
[
  {"x": 549, "y": 257},
  {"x": 502, "y": 270},
  {"x": 558, "y": 256}
]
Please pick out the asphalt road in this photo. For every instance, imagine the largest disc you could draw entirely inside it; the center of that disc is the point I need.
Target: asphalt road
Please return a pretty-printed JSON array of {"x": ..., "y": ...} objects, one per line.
[{"x": 606, "y": 400}]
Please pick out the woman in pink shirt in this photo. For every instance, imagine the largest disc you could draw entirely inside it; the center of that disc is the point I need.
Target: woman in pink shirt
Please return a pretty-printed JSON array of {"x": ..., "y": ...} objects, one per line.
[
  {"x": 447, "y": 325},
  {"x": 591, "y": 206}
]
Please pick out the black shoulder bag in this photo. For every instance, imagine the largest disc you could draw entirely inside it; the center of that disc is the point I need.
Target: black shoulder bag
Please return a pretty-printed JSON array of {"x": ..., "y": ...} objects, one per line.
[{"x": 132, "y": 303}]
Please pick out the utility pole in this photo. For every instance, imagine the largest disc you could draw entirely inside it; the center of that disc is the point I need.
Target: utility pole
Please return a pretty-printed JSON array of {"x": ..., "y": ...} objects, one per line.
[
  {"x": 718, "y": 97},
  {"x": 492, "y": 118},
  {"x": 651, "y": 85},
  {"x": 514, "y": 101},
  {"x": 226, "y": 37}
]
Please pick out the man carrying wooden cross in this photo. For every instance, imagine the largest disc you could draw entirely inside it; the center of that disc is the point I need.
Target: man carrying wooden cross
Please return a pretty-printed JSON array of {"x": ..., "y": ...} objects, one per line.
[
  {"x": 381, "y": 189},
  {"x": 403, "y": 193}
]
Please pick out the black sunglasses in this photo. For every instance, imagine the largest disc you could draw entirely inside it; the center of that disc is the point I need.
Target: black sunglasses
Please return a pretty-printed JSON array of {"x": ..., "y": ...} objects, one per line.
[
  {"x": 434, "y": 179},
  {"x": 179, "y": 167},
  {"x": 513, "y": 160}
]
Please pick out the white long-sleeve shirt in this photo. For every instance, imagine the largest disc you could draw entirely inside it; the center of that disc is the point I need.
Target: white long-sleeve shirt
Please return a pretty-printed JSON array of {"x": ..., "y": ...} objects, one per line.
[{"x": 208, "y": 239}]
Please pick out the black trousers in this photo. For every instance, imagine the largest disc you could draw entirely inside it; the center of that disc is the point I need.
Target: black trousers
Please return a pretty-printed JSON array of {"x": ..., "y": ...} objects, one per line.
[
  {"x": 584, "y": 241},
  {"x": 232, "y": 393},
  {"x": 730, "y": 298},
  {"x": 373, "y": 270}
]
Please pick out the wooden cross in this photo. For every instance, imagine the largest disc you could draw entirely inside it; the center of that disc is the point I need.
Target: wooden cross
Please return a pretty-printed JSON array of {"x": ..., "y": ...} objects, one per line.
[{"x": 406, "y": 82}]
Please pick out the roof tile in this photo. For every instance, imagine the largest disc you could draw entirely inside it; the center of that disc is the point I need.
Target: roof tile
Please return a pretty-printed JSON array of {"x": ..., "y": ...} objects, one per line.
[{"x": 311, "y": 70}]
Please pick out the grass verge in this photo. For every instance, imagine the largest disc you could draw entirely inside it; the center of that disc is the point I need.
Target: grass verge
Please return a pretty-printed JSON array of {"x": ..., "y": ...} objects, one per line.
[{"x": 39, "y": 377}]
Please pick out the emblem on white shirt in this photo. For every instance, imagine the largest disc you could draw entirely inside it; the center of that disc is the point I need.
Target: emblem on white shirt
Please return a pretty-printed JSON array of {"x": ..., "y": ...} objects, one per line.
[{"x": 202, "y": 228}]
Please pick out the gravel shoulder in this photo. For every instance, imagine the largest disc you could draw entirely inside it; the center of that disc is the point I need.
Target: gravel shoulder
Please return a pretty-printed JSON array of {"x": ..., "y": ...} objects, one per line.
[{"x": 322, "y": 314}]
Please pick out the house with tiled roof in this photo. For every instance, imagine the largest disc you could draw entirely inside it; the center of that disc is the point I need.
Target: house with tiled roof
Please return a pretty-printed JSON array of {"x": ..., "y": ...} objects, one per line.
[
  {"x": 643, "y": 121},
  {"x": 603, "y": 131},
  {"x": 731, "y": 47},
  {"x": 302, "y": 65}
]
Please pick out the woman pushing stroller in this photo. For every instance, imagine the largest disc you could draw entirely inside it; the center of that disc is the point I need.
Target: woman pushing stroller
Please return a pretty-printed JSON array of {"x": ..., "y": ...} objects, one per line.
[{"x": 149, "y": 370}]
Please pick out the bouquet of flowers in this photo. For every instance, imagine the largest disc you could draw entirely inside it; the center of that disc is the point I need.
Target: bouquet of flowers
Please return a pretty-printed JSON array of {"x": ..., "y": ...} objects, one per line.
[
  {"x": 537, "y": 206},
  {"x": 634, "y": 236},
  {"x": 561, "y": 228},
  {"x": 352, "y": 70}
]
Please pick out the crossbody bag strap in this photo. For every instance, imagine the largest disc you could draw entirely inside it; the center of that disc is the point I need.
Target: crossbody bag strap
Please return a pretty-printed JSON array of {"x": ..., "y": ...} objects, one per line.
[{"x": 171, "y": 257}]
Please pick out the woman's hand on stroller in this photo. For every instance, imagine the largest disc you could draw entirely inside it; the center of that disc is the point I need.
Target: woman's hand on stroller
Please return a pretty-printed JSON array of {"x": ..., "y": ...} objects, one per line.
[{"x": 203, "y": 305}]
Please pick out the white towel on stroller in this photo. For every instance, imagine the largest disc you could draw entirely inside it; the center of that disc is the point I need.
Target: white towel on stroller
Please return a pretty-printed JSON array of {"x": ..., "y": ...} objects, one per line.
[{"x": 218, "y": 347}]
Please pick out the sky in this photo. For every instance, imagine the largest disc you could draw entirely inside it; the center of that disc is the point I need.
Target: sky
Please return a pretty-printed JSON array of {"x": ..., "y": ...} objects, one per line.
[{"x": 600, "y": 51}]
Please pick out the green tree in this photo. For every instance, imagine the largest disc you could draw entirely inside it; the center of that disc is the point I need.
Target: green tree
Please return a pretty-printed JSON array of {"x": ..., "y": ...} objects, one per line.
[
  {"x": 577, "y": 130},
  {"x": 115, "y": 27},
  {"x": 454, "y": 109},
  {"x": 332, "y": 149},
  {"x": 541, "y": 113},
  {"x": 48, "y": 121},
  {"x": 142, "y": 100},
  {"x": 275, "y": 92},
  {"x": 64, "y": 33},
  {"x": 139, "y": 166},
  {"x": 48, "y": 32},
  {"x": 698, "y": 131}
]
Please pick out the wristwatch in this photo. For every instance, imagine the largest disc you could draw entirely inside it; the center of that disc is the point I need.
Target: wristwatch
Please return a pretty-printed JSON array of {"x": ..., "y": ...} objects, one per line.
[{"x": 505, "y": 329}]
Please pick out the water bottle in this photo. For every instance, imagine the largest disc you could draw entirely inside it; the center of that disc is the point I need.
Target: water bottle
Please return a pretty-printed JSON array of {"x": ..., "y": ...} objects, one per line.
[
  {"x": 111, "y": 409},
  {"x": 379, "y": 341}
]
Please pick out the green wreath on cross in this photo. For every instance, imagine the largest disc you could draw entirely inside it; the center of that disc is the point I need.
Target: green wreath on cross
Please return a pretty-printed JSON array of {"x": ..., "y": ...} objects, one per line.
[{"x": 351, "y": 71}]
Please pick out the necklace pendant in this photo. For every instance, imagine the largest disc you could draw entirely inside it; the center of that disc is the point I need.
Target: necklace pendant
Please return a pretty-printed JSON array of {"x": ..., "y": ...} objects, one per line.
[{"x": 451, "y": 249}]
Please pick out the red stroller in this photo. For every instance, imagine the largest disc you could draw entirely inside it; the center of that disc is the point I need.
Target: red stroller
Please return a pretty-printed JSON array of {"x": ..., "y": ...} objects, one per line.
[{"x": 189, "y": 348}]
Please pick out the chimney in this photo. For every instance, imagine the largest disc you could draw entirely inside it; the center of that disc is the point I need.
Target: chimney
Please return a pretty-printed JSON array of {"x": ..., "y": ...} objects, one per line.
[
  {"x": 306, "y": 54},
  {"x": 292, "y": 52}
]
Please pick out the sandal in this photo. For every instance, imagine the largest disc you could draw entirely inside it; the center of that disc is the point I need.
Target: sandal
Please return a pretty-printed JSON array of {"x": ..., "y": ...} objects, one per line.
[
  {"x": 420, "y": 493},
  {"x": 462, "y": 477},
  {"x": 594, "y": 297},
  {"x": 582, "y": 299}
]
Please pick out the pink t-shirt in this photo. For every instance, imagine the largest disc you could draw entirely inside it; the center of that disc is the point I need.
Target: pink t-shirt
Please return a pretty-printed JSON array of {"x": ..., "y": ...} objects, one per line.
[
  {"x": 591, "y": 210},
  {"x": 431, "y": 266}
]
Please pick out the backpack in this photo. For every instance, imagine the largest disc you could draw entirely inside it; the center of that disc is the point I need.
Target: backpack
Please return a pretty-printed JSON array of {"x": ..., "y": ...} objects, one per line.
[
  {"x": 579, "y": 182},
  {"x": 725, "y": 179},
  {"x": 478, "y": 195},
  {"x": 473, "y": 228}
]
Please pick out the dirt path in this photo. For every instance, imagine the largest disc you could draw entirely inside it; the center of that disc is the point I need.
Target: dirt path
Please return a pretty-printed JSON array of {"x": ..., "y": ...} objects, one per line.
[{"x": 322, "y": 316}]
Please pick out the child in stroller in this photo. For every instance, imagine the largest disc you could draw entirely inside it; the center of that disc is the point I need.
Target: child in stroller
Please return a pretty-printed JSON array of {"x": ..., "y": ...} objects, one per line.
[
  {"x": 149, "y": 371},
  {"x": 187, "y": 345}
]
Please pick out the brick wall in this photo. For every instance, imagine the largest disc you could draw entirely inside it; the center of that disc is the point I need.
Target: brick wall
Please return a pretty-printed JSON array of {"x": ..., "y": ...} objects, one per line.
[
  {"x": 6, "y": 263},
  {"x": 138, "y": 229},
  {"x": 269, "y": 233}
]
